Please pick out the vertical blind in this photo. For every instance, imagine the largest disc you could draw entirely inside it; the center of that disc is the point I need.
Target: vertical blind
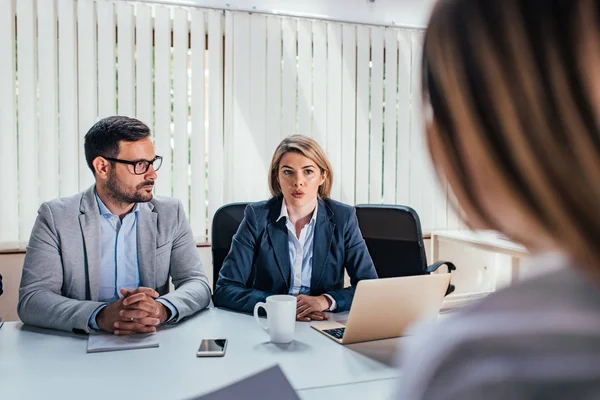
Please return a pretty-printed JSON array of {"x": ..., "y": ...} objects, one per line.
[{"x": 219, "y": 91}]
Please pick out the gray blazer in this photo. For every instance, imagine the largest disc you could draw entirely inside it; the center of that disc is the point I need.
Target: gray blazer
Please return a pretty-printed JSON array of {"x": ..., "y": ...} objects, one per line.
[
  {"x": 537, "y": 339},
  {"x": 61, "y": 274}
]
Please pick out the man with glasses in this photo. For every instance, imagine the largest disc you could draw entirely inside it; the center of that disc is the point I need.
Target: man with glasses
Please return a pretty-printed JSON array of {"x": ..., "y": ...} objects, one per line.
[{"x": 101, "y": 259}]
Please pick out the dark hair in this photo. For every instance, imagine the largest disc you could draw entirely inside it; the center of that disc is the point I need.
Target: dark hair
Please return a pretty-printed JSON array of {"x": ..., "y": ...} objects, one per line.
[
  {"x": 511, "y": 86},
  {"x": 102, "y": 140}
]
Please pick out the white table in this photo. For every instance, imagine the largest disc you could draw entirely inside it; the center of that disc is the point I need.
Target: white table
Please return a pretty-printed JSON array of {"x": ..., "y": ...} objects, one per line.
[
  {"x": 381, "y": 389},
  {"x": 37, "y": 363}
]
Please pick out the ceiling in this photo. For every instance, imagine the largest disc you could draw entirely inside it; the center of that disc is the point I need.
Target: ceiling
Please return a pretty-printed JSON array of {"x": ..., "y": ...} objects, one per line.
[{"x": 412, "y": 13}]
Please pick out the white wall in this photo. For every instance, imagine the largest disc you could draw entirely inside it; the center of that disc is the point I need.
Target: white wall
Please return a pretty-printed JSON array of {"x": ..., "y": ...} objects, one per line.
[
  {"x": 409, "y": 13},
  {"x": 275, "y": 76}
]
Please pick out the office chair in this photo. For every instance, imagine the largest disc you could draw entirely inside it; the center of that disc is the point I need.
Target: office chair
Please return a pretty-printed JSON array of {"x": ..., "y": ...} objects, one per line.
[
  {"x": 225, "y": 224},
  {"x": 395, "y": 241}
]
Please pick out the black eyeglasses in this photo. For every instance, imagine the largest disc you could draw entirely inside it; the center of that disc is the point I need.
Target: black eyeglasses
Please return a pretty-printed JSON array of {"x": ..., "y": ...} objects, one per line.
[{"x": 140, "y": 167}]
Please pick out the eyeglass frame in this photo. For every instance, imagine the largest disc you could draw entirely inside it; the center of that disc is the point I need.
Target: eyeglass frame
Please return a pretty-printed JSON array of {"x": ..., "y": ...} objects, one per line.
[{"x": 134, "y": 163}]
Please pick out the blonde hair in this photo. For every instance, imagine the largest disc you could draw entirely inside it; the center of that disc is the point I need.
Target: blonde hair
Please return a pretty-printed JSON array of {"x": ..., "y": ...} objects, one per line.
[
  {"x": 515, "y": 84},
  {"x": 307, "y": 147}
]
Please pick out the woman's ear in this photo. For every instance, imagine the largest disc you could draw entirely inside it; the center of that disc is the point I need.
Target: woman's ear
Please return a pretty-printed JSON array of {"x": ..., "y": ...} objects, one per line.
[{"x": 323, "y": 177}]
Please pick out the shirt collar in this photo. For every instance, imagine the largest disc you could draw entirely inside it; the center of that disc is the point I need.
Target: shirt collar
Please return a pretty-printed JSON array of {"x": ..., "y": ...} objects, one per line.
[
  {"x": 105, "y": 211},
  {"x": 284, "y": 212}
]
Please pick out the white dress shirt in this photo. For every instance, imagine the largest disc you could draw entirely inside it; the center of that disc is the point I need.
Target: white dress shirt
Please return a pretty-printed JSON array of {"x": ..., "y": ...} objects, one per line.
[{"x": 301, "y": 254}]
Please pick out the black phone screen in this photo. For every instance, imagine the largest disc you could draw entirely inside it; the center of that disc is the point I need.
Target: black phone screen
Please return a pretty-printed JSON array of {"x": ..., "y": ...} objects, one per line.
[{"x": 212, "y": 346}]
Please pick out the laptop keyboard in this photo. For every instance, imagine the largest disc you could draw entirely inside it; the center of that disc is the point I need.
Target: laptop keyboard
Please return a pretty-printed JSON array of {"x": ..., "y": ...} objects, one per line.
[{"x": 337, "y": 333}]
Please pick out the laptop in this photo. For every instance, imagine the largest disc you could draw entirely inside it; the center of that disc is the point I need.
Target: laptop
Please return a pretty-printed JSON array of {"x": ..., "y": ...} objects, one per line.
[{"x": 385, "y": 308}]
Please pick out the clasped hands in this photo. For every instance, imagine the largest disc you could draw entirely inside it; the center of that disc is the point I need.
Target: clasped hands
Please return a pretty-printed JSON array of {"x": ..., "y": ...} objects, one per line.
[
  {"x": 136, "y": 312},
  {"x": 311, "y": 308}
]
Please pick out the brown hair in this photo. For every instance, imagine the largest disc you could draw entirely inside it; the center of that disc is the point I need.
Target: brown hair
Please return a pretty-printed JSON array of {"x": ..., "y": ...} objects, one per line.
[
  {"x": 309, "y": 148},
  {"x": 513, "y": 88}
]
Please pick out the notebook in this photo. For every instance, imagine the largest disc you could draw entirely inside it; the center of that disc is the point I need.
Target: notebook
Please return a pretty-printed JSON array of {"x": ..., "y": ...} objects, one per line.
[
  {"x": 270, "y": 384},
  {"x": 99, "y": 342}
]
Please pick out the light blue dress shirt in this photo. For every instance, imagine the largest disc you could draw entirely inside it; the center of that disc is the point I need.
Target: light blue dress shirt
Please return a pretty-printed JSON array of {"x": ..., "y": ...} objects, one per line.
[
  {"x": 301, "y": 254},
  {"x": 119, "y": 260}
]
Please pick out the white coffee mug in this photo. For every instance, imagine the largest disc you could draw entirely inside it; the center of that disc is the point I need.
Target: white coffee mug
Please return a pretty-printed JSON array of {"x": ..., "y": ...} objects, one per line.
[{"x": 281, "y": 317}]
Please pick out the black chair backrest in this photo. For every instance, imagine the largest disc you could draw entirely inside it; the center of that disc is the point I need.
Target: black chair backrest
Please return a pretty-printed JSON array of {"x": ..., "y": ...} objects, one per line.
[
  {"x": 394, "y": 239},
  {"x": 225, "y": 224}
]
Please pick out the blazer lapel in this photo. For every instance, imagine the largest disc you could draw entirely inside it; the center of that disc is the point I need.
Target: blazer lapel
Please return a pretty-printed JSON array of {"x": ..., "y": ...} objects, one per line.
[
  {"x": 89, "y": 221},
  {"x": 278, "y": 235},
  {"x": 146, "y": 244},
  {"x": 321, "y": 243}
]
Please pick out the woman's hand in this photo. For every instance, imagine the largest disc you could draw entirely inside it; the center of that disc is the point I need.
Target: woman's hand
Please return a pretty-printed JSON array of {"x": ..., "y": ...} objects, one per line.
[
  {"x": 311, "y": 307},
  {"x": 315, "y": 316}
]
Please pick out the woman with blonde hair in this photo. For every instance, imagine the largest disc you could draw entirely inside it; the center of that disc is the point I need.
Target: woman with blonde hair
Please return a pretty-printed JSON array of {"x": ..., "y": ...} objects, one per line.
[
  {"x": 512, "y": 97},
  {"x": 299, "y": 242}
]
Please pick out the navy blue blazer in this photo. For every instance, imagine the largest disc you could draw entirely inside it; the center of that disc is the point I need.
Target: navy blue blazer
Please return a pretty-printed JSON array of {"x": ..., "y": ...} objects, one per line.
[{"x": 258, "y": 264}]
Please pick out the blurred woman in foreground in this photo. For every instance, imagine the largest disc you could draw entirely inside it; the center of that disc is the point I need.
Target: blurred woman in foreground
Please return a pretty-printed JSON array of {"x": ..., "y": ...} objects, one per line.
[{"x": 512, "y": 98}]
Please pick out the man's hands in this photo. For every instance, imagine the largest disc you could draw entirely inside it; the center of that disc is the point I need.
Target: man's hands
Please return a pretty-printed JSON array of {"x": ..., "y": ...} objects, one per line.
[
  {"x": 142, "y": 300},
  {"x": 310, "y": 308},
  {"x": 136, "y": 312}
]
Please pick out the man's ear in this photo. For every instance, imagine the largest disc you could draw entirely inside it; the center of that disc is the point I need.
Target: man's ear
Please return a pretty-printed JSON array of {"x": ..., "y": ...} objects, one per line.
[{"x": 101, "y": 167}]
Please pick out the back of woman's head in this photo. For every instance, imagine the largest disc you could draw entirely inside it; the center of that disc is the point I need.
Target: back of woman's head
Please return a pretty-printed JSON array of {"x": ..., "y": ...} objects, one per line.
[{"x": 512, "y": 93}]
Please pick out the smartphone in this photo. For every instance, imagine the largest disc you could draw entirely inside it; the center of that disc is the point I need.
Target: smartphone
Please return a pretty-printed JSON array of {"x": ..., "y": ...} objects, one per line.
[{"x": 212, "y": 348}]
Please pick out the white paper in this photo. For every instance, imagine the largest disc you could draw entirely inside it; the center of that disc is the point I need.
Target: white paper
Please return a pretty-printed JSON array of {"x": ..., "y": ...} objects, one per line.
[{"x": 98, "y": 342}]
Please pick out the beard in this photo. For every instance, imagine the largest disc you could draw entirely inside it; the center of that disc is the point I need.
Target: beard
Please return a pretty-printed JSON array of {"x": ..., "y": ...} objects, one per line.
[{"x": 120, "y": 193}]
